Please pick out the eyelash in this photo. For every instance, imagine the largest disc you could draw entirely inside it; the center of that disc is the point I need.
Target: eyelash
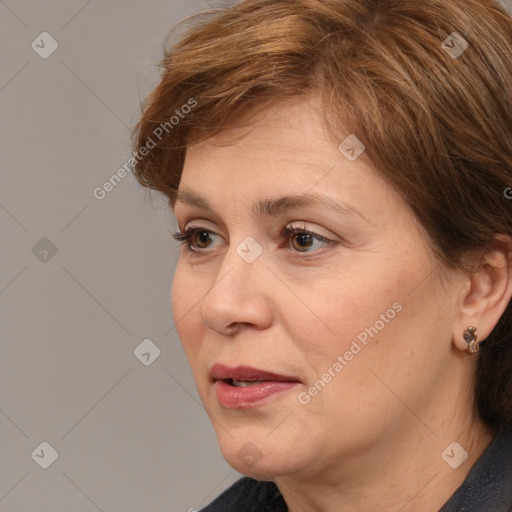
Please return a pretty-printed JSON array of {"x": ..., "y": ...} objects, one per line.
[{"x": 185, "y": 237}]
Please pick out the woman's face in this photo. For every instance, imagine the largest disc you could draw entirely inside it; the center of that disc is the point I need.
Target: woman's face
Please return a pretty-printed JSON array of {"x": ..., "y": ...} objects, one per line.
[{"x": 344, "y": 320}]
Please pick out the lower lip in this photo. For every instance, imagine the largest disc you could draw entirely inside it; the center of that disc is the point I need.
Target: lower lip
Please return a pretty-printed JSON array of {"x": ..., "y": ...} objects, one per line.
[{"x": 240, "y": 397}]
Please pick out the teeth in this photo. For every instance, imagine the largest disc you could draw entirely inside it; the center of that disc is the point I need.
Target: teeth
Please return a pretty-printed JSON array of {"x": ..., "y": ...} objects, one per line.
[{"x": 243, "y": 383}]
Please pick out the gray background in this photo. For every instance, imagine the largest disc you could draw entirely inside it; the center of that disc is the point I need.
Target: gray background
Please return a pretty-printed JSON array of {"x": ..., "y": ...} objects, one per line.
[{"x": 129, "y": 436}]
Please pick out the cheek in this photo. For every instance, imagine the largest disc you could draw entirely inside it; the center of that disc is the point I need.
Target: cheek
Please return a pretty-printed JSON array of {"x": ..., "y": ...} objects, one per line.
[
  {"x": 352, "y": 324},
  {"x": 338, "y": 312},
  {"x": 381, "y": 355}
]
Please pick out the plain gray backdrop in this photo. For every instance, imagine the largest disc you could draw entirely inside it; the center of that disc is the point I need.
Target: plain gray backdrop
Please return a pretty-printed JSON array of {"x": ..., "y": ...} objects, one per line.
[{"x": 84, "y": 281}]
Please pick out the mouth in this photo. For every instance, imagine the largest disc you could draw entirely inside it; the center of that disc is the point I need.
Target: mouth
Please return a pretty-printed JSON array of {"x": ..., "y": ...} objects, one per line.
[
  {"x": 245, "y": 387},
  {"x": 243, "y": 383}
]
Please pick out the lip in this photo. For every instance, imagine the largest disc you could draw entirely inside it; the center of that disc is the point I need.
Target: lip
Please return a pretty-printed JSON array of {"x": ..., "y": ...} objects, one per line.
[
  {"x": 222, "y": 372},
  {"x": 234, "y": 397}
]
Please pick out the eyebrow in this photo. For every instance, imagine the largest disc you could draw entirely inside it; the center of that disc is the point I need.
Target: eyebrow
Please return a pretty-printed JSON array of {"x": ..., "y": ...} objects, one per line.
[{"x": 278, "y": 206}]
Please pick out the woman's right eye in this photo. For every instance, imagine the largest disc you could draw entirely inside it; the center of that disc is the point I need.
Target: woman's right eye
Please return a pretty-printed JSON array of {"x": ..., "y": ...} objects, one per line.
[{"x": 195, "y": 238}]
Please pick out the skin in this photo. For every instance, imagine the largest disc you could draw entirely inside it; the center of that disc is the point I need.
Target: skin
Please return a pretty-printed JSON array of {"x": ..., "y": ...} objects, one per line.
[{"x": 372, "y": 438}]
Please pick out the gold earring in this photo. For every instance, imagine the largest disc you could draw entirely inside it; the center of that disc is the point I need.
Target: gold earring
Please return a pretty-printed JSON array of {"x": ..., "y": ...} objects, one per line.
[{"x": 470, "y": 338}]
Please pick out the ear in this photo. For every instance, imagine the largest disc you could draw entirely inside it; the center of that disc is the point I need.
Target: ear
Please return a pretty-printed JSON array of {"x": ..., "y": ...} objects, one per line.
[{"x": 488, "y": 294}]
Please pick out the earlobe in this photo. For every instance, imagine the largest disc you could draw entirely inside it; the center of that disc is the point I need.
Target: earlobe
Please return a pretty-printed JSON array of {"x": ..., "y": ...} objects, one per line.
[
  {"x": 488, "y": 296},
  {"x": 470, "y": 338}
]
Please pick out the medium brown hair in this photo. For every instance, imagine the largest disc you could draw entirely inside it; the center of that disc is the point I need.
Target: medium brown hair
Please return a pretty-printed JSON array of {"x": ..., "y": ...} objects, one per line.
[{"x": 437, "y": 125}]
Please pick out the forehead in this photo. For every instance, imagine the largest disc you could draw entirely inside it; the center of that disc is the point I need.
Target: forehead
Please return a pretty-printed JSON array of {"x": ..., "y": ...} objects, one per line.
[
  {"x": 283, "y": 151},
  {"x": 292, "y": 130},
  {"x": 284, "y": 145}
]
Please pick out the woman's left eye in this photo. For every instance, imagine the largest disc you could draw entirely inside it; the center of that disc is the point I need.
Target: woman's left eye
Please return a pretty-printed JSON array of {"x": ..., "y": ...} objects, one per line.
[{"x": 300, "y": 239}]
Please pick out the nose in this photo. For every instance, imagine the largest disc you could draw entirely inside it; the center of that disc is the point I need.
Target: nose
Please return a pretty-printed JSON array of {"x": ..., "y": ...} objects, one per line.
[{"x": 239, "y": 297}]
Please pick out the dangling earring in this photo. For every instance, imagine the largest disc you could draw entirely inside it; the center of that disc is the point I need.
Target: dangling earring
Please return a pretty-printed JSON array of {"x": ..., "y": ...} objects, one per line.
[{"x": 470, "y": 338}]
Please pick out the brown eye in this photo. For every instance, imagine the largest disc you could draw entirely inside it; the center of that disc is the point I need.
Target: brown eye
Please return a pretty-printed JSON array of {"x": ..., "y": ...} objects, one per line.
[
  {"x": 304, "y": 241},
  {"x": 196, "y": 239},
  {"x": 301, "y": 241},
  {"x": 202, "y": 238}
]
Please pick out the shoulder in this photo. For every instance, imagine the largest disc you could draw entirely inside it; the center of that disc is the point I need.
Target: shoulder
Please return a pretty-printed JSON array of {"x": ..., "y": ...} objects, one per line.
[{"x": 249, "y": 495}]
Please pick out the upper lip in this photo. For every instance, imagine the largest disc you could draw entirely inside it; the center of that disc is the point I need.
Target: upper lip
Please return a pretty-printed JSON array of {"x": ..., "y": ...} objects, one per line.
[{"x": 246, "y": 373}]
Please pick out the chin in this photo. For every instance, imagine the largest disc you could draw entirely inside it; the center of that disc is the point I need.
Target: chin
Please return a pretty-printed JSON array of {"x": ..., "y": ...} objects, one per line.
[
  {"x": 267, "y": 470},
  {"x": 256, "y": 457}
]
